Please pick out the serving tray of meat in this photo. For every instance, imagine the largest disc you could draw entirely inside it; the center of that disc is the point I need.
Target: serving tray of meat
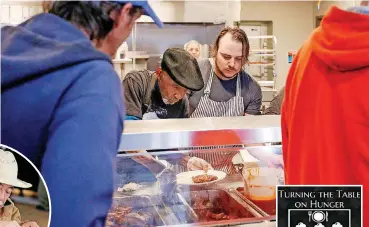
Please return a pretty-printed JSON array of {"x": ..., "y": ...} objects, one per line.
[
  {"x": 134, "y": 211},
  {"x": 218, "y": 205}
]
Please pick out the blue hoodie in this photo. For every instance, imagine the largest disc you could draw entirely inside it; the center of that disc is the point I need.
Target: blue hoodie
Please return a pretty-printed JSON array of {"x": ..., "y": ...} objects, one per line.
[{"x": 62, "y": 107}]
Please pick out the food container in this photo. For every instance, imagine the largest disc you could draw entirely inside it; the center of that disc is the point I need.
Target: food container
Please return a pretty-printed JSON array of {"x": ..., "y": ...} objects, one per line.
[
  {"x": 218, "y": 206},
  {"x": 182, "y": 210},
  {"x": 138, "y": 204},
  {"x": 260, "y": 187}
]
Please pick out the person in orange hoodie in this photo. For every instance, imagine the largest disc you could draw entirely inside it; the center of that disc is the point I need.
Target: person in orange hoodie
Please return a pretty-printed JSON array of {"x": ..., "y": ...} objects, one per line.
[{"x": 325, "y": 114}]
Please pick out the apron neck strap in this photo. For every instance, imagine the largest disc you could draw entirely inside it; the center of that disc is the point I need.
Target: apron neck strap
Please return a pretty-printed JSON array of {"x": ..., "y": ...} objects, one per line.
[
  {"x": 210, "y": 81},
  {"x": 238, "y": 86}
]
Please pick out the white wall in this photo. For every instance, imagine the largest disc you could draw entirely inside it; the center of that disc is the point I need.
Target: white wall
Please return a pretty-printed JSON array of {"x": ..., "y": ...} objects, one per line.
[
  {"x": 196, "y": 11},
  {"x": 293, "y": 22},
  {"x": 15, "y": 12},
  {"x": 233, "y": 12},
  {"x": 325, "y": 5}
]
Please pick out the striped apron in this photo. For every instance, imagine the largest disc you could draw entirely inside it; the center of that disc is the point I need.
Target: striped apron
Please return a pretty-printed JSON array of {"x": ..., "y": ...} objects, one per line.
[{"x": 210, "y": 108}]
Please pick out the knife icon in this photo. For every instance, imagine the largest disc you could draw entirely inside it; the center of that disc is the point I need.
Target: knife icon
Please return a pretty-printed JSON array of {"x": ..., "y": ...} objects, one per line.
[{"x": 326, "y": 215}]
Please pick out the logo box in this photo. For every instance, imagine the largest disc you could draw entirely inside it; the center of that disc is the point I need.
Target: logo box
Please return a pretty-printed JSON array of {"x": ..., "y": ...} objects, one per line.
[{"x": 319, "y": 206}]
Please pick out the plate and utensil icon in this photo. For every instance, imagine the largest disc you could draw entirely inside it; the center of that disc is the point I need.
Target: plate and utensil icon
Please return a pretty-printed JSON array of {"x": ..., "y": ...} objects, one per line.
[{"x": 318, "y": 216}]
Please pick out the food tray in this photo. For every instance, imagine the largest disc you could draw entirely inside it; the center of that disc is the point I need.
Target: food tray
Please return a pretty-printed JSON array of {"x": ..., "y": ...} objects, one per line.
[
  {"x": 216, "y": 202},
  {"x": 138, "y": 204},
  {"x": 166, "y": 212},
  {"x": 181, "y": 210},
  {"x": 266, "y": 208}
]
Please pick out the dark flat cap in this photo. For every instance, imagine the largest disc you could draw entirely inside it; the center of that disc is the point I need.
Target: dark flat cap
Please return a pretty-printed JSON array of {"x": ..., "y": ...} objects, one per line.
[{"x": 182, "y": 68}]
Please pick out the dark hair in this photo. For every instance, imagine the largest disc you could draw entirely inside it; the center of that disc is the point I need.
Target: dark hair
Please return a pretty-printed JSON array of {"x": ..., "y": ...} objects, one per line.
[
  {"x": 91, "y": 16},
  {"x": 238, "y": 35}
]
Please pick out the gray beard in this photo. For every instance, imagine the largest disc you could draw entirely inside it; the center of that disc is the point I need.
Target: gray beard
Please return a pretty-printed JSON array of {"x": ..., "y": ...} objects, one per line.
[{"x": 166, "y": 102}]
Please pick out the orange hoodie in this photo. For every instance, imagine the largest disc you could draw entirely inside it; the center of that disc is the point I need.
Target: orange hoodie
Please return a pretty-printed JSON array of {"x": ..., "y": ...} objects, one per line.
[{"x": 325, "y": 114}]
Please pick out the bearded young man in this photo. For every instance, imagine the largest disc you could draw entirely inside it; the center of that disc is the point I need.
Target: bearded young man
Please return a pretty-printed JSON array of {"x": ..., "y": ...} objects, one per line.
[{"x": 229, "y": 90}]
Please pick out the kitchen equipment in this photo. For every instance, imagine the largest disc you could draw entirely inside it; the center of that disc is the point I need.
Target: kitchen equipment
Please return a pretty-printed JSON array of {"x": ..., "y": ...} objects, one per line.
[
  {"x": 185, "y": 178},
  {"x": 265, "y": 207}
]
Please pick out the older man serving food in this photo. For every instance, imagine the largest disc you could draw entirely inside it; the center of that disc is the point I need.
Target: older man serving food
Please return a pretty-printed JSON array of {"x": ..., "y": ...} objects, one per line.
[{"x": 9, "y": 213}]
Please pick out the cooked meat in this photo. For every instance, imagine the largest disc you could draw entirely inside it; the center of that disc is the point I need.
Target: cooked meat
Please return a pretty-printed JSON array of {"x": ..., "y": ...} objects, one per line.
[
  {"x": 138, "y": 219},
  {"x": 206, "y": 210},
  {"x": 124, "y": 216},
  {"x": 204, "y": 178},
  {"x": 117, "y": 214},
  {"x": 214, "y": 216}
]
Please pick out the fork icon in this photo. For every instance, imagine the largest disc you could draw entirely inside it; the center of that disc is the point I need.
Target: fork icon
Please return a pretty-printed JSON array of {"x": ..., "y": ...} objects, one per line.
[{"x": 310, "y": 213}]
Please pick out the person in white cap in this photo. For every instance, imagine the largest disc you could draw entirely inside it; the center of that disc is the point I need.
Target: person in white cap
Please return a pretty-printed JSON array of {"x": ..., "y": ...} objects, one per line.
[{"x": 9, "y": 213}]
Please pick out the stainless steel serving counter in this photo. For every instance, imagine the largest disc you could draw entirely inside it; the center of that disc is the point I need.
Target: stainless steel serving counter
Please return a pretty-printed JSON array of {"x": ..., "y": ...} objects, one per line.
[
  {"x": 228, "y": 186},
  {"x": 176, "y": 136}
]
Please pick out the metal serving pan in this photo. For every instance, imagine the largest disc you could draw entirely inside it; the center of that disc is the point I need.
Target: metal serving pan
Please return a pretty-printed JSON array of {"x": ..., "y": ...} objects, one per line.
[
  {"x": 264, "y": 208},
  {"x": 179, "y": 207},
  {"x": 207, "y": 207}
]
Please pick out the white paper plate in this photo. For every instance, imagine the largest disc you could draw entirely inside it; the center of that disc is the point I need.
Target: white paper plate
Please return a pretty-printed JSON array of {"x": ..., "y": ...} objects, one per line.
[{"x": 185, "y": 178}]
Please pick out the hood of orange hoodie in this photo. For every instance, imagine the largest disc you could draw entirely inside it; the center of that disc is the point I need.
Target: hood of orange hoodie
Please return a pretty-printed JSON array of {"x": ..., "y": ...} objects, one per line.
[{"x": 342, "y": 40}]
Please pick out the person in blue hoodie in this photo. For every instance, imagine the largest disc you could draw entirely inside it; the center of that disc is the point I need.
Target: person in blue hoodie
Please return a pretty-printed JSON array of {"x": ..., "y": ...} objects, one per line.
[{"x": 62, "y": 104}]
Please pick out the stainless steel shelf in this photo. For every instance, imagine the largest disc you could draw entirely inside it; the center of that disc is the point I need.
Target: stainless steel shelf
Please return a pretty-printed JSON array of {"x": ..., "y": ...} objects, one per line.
[{"x": 180, "y": 133}]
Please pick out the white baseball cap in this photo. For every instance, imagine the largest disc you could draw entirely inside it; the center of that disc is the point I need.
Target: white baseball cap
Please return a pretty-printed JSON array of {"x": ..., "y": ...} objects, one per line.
[{"x": 9, "y": 170}]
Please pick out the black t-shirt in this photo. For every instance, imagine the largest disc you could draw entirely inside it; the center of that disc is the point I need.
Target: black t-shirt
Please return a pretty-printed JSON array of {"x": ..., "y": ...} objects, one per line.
[
  {"x": 136, "y": 84},
  {"x": 224, "y": 90}
]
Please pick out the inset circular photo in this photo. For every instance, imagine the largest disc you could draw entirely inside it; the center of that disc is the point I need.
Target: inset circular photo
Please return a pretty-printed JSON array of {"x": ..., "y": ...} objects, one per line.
[{"x": 24, "y": 197}]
